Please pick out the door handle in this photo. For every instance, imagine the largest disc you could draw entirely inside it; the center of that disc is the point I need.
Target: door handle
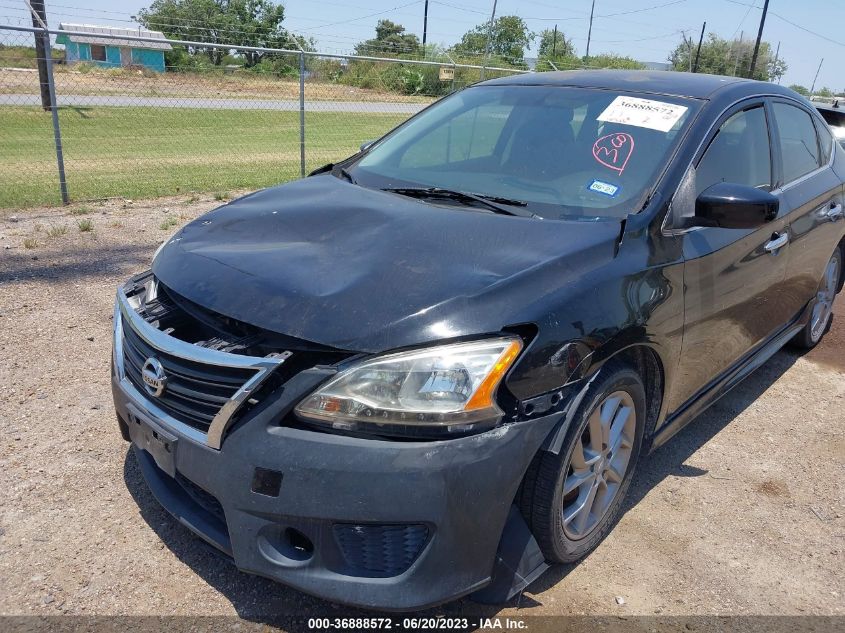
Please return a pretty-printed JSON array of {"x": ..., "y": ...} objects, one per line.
[
  {"x": 834, "y": 213},
  {"x": 777, "y": 242}
]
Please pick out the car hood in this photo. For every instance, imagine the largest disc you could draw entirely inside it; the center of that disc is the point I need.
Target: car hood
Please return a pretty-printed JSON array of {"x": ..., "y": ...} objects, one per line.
[{"x": 358, "y": 269}]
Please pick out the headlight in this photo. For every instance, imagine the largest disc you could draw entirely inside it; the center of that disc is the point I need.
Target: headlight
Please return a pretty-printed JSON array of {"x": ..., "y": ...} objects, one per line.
[{"x": 451, "y": 387}]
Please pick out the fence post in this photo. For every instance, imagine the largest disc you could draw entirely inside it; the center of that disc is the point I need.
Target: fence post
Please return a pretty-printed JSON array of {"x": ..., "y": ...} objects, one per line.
[
  {"x": 302, "y": 114},
  {"x": 54, "y": 110}
]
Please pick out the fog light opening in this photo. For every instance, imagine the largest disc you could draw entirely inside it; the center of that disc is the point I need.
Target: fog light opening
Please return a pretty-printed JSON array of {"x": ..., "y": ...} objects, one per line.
[{"x": 299, "y": 546}]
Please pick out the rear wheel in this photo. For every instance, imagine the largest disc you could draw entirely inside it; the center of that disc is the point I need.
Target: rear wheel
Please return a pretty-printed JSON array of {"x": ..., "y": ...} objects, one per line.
[
  {"x": 573, "y": 499},
  {"x": 822, "y": 311}
]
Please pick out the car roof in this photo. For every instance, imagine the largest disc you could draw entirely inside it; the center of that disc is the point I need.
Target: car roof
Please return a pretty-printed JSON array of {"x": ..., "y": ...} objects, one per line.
[{"x": 670, "y": 83}]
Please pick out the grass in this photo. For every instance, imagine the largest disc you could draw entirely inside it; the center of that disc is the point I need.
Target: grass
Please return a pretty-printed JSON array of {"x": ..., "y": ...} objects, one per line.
[
  {"x": 168, "y": 223},
  {"x": 85, "y": 226},
  {"x": 82, "y": 209},
  {"x": 57, "y": 230},
  {"x": 22, "y": 56},
  {"x": 30, "y": 243},
  {"x": 146, "y": 152}
]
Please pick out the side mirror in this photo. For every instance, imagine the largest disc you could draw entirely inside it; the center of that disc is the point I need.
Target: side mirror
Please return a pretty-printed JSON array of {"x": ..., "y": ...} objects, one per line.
[
  {"x": 365, "y": 146},
  {"x": 731, "y": 206}
]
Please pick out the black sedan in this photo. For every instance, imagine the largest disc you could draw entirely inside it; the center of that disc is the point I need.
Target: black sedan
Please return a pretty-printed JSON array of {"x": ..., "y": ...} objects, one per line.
[{"x": 429, "y": 370}]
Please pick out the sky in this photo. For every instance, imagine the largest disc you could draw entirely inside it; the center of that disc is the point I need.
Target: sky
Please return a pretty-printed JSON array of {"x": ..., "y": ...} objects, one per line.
[{"x": 808, "y": 31}]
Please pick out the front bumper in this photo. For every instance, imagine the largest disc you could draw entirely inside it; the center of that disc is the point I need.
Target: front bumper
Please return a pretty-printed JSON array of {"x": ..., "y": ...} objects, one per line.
[{"x": 460, "y": 490}]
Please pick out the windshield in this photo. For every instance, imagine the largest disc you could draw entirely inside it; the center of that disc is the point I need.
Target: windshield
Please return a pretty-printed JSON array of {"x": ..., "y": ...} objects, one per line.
[{"x": 562, "y": 152}]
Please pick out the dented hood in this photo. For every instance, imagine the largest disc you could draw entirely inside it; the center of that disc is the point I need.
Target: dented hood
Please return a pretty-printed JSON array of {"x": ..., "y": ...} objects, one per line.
[{"x": 358, "y": 269}]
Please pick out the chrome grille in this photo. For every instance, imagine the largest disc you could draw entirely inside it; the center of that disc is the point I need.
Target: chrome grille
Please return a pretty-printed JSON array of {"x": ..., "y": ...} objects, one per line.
[{"x": 195, "y": 391}]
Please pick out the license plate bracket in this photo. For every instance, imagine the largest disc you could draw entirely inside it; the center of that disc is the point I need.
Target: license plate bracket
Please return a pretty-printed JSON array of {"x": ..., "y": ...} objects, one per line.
[{"x": 153, "y": 438}]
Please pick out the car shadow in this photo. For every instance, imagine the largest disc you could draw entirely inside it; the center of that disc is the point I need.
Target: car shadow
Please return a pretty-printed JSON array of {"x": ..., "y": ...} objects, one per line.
[
  {"x": 260, "y": 600},
  {"x": 670, "y": 459}
]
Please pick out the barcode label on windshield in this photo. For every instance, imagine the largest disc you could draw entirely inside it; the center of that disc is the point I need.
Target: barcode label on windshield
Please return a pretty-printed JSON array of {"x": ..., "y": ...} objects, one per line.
[{"x": 654, "y": 115}]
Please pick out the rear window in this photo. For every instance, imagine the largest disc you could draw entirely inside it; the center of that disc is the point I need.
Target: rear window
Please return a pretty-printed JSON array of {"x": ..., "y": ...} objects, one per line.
[
  {"x": 798, "y": 143},
  {"x": 566, "y": 152}
]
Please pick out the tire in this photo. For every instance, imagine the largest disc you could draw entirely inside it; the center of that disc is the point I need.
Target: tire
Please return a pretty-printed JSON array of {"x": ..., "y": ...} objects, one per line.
[
  {"x": 821, "y": 315},
  {"x": 542, "y": 499}
]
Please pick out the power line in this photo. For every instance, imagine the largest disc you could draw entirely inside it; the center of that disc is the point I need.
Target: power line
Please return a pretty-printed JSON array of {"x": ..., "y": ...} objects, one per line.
[
  {"x": 632, "y": 11},
  {"x": 364, "y": 17},
  {"x": 790, "y": 22}
]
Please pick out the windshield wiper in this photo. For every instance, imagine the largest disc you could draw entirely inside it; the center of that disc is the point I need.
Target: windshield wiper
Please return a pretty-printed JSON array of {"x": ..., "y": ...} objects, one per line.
[{"x": 492, "y": 203}]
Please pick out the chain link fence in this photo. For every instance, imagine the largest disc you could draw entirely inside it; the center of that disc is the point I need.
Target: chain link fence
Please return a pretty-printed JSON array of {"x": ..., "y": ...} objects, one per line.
[{"x": 128, "y": 130}]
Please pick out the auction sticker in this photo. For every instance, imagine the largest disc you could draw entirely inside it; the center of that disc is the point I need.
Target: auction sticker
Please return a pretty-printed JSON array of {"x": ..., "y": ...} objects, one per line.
[{"x": 654, "y": 115}]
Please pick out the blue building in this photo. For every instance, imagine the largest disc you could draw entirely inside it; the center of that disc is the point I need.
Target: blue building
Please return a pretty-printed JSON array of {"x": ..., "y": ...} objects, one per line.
[{"x": 109, "y": 52}]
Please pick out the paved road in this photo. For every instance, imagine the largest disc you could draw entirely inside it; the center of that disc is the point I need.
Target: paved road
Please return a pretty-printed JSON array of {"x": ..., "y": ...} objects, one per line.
[{"x": 375, "y": 107}]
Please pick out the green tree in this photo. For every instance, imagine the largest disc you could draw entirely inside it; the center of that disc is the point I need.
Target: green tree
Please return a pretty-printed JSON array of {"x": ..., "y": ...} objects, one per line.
[
  {"x": 235, "y": 22},
  {"x": 824, "y": 92},
  {"x": 555, "y": 45},
  {"x": 728, "y": 57},
  {"x": 801, "y": 90},
  {"x": 510, "y": 37},
  {"x": 557, "y": 49},
  {"x": 391, "y": 39},
  {"x": 612, "y": 60}
]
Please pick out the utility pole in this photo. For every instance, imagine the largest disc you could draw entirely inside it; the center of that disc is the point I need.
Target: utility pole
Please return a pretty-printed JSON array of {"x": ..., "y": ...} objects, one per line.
[
  {"x": 698, "y": 52},
  {"x": 489, "y": 38},
  {"x": 425, "y": 24},
  {"x": 590, "y": 31},
  {"x": 39, "y": 18},
  {"x": 813, "y": 87},
  {"x": 688, "y": 42},
  {"x": 554, "y": 43},
  {"x": 777, "y": 57},
  {"x": 759, "y": 37},
  {"x": 739, "y": 53}
]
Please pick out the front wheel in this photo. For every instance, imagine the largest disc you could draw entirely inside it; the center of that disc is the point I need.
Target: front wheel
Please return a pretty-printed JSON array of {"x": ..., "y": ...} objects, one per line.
[
  {"x": 822, "y": 312},
  {"x": 573, "y": 499}
]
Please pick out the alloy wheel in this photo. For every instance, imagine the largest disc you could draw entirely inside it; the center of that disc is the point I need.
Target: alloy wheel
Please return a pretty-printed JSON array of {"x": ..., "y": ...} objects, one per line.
[
  {"x": 825, "y": 296},
  {"x": 598, "y": 464}
]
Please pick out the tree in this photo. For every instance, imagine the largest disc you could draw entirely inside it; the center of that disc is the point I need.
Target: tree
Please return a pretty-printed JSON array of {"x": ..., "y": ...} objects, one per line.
[
  {"x": 554, "y": 45},
  {"x": 509, "y": 39},
  {"x": 801, "y": 90},
  {"x": 557, "y": 49},
  {"x": 728, "y": 57},
  {"x": 612, "y": 60},
  {"x": 824, "y": 92},
  {"x": 236, "y": 22},
  {"x": 391, "y": 39}
]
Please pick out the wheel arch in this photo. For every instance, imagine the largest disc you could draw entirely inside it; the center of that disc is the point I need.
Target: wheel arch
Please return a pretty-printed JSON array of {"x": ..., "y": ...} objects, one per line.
[
  {"x": 842, "y": 269},
  {"x": 641, "y": 357}
]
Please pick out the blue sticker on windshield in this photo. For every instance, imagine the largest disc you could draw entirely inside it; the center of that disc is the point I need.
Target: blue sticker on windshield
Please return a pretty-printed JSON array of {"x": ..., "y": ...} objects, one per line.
[{"x": 604, "y": 188}]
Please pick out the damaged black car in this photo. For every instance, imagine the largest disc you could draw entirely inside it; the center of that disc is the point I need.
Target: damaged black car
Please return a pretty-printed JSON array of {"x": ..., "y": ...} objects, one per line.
[{"x": 429, "y": 370}]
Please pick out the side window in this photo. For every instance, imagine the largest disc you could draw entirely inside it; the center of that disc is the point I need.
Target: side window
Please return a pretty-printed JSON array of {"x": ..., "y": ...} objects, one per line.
[
  {"x": 739, "y": 153},
  {"x": 825, "y": 142},
  {"x": 798, "y": 143},
  {"x": 476, "y": 132}
]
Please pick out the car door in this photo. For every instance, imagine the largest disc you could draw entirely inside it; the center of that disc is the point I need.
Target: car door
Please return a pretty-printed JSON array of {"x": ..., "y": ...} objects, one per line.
[
  {"x": 812, "y": 195},
  {"x": 732, "y": 277}
]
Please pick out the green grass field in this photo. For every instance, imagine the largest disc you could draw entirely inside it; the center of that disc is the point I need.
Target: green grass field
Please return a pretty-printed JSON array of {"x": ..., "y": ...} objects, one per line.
[{"x": 147, "y": 152}]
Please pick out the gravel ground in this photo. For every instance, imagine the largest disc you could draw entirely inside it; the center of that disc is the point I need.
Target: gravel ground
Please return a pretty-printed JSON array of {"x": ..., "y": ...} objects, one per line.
[{"x": 741, "y": 513}]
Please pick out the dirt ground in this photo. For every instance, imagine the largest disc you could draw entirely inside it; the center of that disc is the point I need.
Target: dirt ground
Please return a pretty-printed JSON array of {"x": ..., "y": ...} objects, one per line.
[{"x": 741, "y": 513}]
